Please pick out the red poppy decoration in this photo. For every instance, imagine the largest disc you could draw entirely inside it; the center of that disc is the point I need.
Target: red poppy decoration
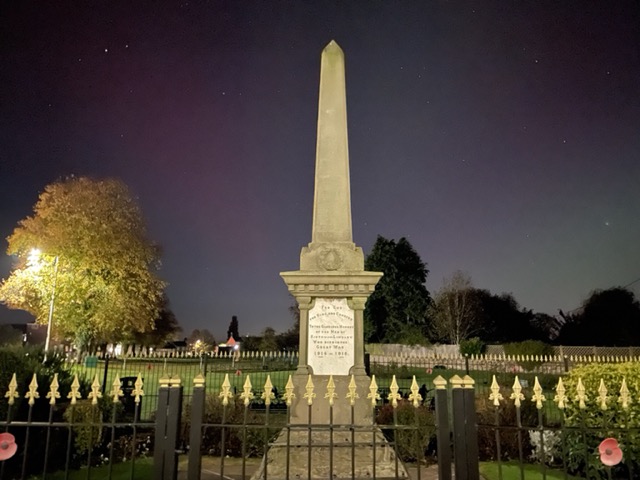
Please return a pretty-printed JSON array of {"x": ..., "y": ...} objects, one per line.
[
  {"x": 610, "y": 453},
  {"x": 8, "y": 446}
]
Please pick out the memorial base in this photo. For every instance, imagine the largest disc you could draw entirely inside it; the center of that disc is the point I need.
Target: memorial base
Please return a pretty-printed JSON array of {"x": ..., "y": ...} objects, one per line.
[
  {"x": 338, "y": 454},
  {"x": 361, "y": 413}
]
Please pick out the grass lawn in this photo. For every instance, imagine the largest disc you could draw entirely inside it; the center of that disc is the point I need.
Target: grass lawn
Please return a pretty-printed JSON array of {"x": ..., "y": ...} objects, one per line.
[
  {"x": 143, "y": 468},
  {"x": 152, "y": 371},
  {"x": 511, "y": 471},
  {"x": 279, "y": 370}
]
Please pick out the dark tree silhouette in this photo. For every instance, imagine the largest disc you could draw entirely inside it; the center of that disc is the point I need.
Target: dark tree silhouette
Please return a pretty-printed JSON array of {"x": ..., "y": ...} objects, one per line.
[
  {"x": 165, "y": 327},
  {"x": 397, "y": 310},
  {"x": 233, "y": 329},
  {"x": 607, "y": 318},
  {"x": 504, "y": 320}
]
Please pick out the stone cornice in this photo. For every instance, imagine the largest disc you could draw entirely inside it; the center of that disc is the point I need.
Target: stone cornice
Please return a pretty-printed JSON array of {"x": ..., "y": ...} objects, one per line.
[{"x": 331, "y": 284}]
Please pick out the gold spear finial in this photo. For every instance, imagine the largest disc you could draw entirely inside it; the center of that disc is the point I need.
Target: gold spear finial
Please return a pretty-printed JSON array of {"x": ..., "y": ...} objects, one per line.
[
  {"x": 394, "y": 396},
  {"x": 268, "y": 395},
  {"x": 32, "y": 394},
  {"x": 331, "y": 391},
  {"x": 226, "y": 394},
  {"x": 74, "y": 394},
  {"x": 538, "y": 397},
  {"x": 116, "y": 391},
  {"x": 517, "y": 395},
  {"x": 12, "y": 393},
  {"x": 415, "y": 396},
  {"x": 352, "y": 394},
  {"x": 373, "y": 391},
  {"x": 561, "y": 398},
  {"x": 53, "y": 390},
  {"x": 625, "y": 395},
  {"x": 309, "y": 395},
  {"x": 495, "y": 396},
  {"x": 138, "y": 390},
  {"x": 288, "y": 392},
  {"x": 581, "y": 396},
  {"x": 95, "y": 393},
  {"x": 602, "y": 395},
  {"x": 247, "y": 394}
]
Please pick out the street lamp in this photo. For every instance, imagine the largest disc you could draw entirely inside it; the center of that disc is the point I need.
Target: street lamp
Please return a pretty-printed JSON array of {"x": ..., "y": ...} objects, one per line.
[{"x": 34, "y": 257}]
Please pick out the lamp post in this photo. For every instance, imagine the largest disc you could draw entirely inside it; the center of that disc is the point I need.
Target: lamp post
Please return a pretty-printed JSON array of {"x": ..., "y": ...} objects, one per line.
[
  {"x": 51, "y": 303},
  {"x": 33, "y": 257}
]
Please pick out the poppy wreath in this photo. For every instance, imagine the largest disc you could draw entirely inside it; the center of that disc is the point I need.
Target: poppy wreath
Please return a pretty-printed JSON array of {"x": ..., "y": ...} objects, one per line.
[
  {"x": 8, "y": 446},
  {"x": 610, "y": 452}
]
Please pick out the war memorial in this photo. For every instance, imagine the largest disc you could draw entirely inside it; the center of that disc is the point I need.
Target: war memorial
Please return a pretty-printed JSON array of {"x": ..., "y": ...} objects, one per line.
[{"x": 331, "y": 429}]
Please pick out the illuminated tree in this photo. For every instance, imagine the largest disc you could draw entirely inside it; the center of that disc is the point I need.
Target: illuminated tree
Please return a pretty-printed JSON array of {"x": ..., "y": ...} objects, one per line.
[
  {"x": 105, "y": 282},
  {"x": 456, "y": 310},
  {"x": 201, "y": 340}
]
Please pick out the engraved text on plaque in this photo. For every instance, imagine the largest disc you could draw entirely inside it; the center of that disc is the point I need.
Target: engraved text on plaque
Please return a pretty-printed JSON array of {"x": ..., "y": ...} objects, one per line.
[{"x": 331, "y": 344}]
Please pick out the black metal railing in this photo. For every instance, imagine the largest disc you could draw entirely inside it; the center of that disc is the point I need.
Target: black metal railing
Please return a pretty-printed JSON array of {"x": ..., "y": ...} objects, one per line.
[{"x": 235, "y": 424}]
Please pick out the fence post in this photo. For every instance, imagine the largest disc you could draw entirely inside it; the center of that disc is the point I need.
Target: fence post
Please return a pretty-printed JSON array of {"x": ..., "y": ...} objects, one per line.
[
  {"x": 465, "y": 435},
  {"x": 443, "y": 432},
  {"x": 174, "y": 413},
  {"x": 459, "y": 447},
  {"x": 195, "y": 433},
  {"x": 161, "y": 429},
  {"x": 165, "y": 456},
  {"x": 471, "y": 428}
]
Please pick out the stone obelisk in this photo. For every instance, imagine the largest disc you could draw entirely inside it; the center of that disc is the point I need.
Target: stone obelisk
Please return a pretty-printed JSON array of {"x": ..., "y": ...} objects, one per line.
[{"x": 331, "y": 287}]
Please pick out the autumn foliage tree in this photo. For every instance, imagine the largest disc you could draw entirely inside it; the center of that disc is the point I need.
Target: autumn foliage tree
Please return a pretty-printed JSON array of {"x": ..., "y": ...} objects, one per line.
[{"x": 106, "y": 286}]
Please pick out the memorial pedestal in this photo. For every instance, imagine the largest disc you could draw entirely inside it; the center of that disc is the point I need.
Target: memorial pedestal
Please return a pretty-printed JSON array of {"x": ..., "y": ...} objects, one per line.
[{"x": 339, "y": 454}]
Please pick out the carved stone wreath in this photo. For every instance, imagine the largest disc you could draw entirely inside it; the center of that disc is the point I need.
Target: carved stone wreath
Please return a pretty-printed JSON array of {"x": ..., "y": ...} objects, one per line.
[{"x": 330, "y": 259}]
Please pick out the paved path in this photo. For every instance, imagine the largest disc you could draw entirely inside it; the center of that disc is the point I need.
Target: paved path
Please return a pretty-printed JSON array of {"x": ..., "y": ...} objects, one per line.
[{"x": 233, "y": 469}]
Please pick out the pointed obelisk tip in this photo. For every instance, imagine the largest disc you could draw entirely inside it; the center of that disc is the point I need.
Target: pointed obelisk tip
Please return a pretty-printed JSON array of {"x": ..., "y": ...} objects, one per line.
[{"x": 332, "y": 46}]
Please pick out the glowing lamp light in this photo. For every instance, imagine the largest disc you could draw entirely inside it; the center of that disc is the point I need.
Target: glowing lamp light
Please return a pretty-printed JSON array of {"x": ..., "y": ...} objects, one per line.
[
  {"x": 33, "y": 259},
  {"x": 610, "y": 452}
]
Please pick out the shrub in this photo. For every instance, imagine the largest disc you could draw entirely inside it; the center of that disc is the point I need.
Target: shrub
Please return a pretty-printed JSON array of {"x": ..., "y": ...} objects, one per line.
[
  {"x": 10, "y": 336},
  {"x": 547, "y": 449},
  {"x": 514, "y": 444},
  {"x": 593, "y": 424},
  {"x": 413, "y": 443},
  {"x": 24, "y": 362},
  {"x": 89, "y": 434},
  {"x": 472, "y": 346},
  {"x": 531, "y": 348},
  {"x": 241, "y": 427}
]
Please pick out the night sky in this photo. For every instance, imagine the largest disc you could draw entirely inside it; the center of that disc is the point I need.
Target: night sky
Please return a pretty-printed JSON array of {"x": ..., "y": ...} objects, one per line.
[{"x": 501, "y": 138}]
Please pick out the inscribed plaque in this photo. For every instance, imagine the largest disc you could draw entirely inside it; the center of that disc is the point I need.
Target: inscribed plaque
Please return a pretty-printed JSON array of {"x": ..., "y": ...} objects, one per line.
[{"x": 330, "y": 343}]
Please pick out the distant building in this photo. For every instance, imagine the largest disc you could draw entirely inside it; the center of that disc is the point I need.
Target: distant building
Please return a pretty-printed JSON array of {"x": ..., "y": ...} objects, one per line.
[
  {"x": 175, "y": 346},
  {"x": 230, "y": 345},
  {"x": 32, "y": 333}
]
